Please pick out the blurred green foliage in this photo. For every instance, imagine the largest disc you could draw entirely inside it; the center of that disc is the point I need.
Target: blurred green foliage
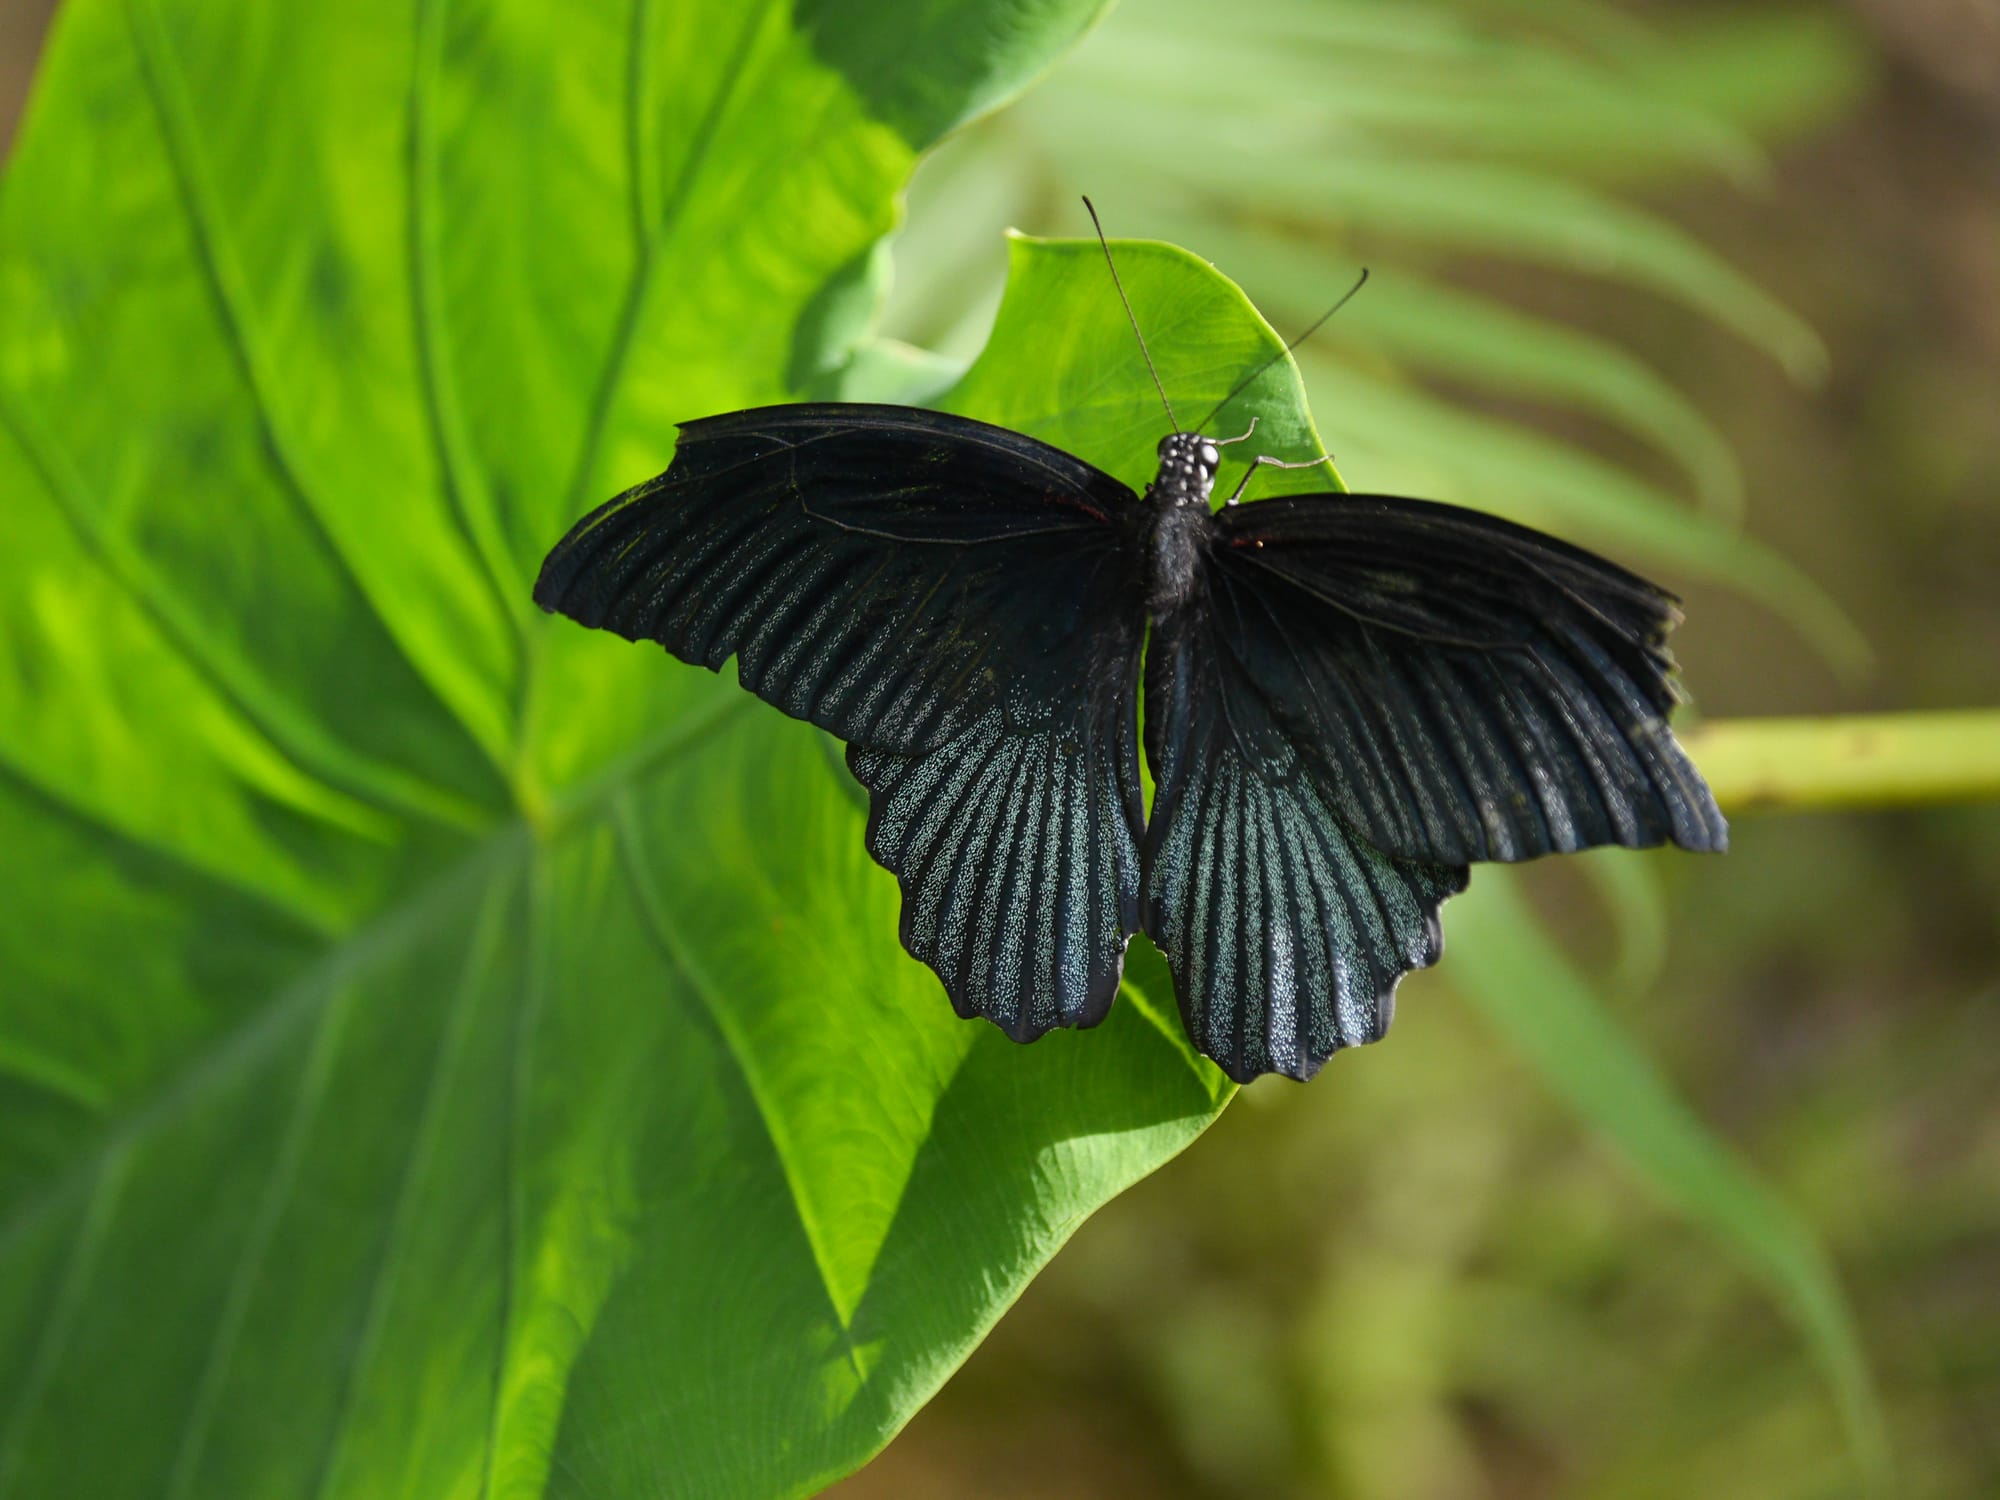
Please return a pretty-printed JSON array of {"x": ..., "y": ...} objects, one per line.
[
  {"x": 441, "y": 1053},
  {"x": 1472, "y": 1347}
]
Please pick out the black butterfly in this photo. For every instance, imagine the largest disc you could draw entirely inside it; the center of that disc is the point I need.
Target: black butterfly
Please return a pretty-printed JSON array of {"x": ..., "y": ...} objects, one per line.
[{"x": 1348, "y": 699}]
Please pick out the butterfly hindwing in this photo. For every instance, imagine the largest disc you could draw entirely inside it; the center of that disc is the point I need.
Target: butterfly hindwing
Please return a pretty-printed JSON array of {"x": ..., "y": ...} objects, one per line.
[
  {"x": 1467, "y": 689},
  {"x": 1016, "y": 846},
  {"x": 964, "y": 606},
  {"x": 1285, "y": 931}
]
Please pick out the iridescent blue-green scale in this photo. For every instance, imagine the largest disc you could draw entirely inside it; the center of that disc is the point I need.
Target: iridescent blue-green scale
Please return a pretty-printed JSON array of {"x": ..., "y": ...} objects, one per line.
[
  {"x": 1636, "y": 725},
  {"x": 964, "y": 606},
  {"x": 1286, "y": 932},
  {"x": 987, "y": 857},
  {"x": 1255, "y": 929},
  {"x": 1510, "y": 796},
  {"x": 1018, "y": 869},
  {"x": 1280, "y": 905},
  {"x": 1528, "y": 741},
  {"x": 1581, "y": 750},
  {"x": 1308, "y": 1028},
  {"x": 802, "y": 661},
  {"x": 974, "y": 834},
  {"x": 928, "y": 795},
  {"x": 1077, "y": 920},
  {"x": 1016, "y": 860},
  {"x": 1041, "y": 994},
  {"x": 969, "y": 859},
  {"x": 1181, "y": 936},
  {"x": 1437, "y": 745},
  {"x": 1399, "y": 727}
]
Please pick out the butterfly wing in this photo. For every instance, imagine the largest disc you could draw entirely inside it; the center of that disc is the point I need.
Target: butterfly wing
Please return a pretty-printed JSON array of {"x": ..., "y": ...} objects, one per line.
[
  {"x": 1464, "y": 688},
  {"x": 1286, "y": 932},
  {"x": 963, "y": 605}
]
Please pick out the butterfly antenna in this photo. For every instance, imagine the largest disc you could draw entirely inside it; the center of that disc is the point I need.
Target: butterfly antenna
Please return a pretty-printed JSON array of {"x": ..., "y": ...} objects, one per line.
[
  {"x": 1092, "y": 210},
  {"x": 1251, "y": 379}
]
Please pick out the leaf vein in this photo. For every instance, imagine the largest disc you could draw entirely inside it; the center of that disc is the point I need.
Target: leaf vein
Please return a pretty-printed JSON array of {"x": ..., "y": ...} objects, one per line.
[
  {"x": 479, "y": 963},
  {"x": 457, "y": 461},
  {"x": 217, "y": 261},
  {"x": 257, "y": 1244},
  {"x": 513, "y": 1209},
  {"x": 92, "y": 1223},
  {"x": 650, "y": 235},
  {"x": 323, "y": 921},
  {"x": 702, "y": 987},
  {"x": 237, "y": 683}
]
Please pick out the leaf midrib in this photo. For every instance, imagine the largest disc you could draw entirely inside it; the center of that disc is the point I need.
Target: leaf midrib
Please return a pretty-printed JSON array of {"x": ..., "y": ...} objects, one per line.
[
  {"x": 305, "y": 998},
  {"x": 214, "y": 255},
  {"x": 660, "y": 930},
  {"x": 403, "y": 919}
]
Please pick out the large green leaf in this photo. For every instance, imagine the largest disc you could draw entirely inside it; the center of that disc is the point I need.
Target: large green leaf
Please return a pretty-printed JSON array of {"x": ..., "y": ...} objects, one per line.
[{"x": 443, "y": 1051}]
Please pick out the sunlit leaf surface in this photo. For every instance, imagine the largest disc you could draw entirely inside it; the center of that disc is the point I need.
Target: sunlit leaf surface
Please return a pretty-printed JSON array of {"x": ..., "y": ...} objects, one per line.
[{"x": 443, "y": 1051}]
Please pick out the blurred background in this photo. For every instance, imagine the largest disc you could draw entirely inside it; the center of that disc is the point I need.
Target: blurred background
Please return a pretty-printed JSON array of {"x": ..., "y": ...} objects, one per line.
[{"x": 1662, "y": 276}]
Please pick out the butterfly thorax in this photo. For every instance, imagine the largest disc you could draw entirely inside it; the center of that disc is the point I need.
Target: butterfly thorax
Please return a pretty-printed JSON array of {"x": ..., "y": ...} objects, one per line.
[{"x": 1177, "y": 519}]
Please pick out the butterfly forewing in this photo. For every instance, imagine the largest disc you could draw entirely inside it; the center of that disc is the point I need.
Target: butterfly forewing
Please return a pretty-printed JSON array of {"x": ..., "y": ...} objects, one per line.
[
  {"x": 1464, "y": 688},
  {"x": 878, "y": 571},
  {"x": 964, "y": 606}
]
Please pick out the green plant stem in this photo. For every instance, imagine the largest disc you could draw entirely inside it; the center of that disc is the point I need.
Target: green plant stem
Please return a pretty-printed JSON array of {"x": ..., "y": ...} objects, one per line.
[{"x": 1857, "y": 761}]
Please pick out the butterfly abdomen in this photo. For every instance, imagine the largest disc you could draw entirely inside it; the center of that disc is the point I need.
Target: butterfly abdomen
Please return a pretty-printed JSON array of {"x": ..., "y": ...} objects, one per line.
[{"x": 1175, "y": 538}]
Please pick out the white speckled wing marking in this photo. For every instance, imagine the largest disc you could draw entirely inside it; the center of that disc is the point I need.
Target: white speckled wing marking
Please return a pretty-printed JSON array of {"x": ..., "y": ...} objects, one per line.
[
  {"x": 965, "y": 606},
  {"x": 1017, "y": 851},
  {"x": 1286, "y": 931}
]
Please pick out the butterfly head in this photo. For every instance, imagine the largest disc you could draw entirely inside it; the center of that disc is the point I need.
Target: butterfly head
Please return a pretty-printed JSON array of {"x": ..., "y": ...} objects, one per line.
[{"x": 1188, "y": 462}]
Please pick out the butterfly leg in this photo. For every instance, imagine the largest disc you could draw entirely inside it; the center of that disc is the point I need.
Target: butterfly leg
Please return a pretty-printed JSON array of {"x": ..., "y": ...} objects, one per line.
[
  {"x": 1276, "y": 463},
  {"x": 1241, "y": 437}
]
